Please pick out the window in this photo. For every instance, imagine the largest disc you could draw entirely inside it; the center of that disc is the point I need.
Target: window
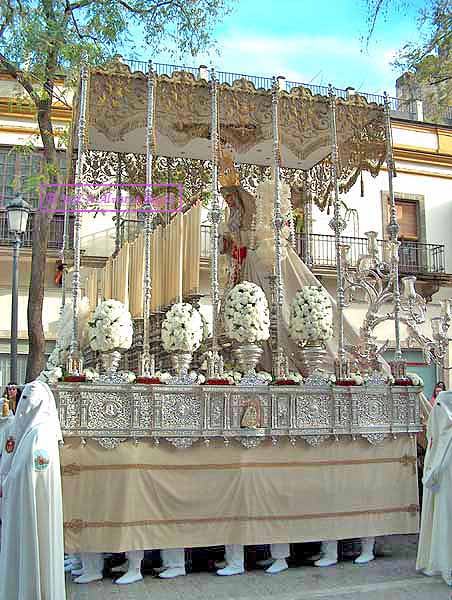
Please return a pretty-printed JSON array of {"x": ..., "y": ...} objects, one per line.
[
  {"x": 411, "y": 219},
  {"x": 4, "y": 369},
  {"x": 13, "y": 163},
  {"x": 407, "y": 216}
]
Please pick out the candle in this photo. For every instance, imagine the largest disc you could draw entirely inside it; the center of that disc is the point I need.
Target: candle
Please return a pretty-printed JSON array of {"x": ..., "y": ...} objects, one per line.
[
  {"x": 372, "y": 244},
  {"x": 445, "y": 308},
  {"x": 409, "y": 288},
  {"x": 181, "y": 256}
]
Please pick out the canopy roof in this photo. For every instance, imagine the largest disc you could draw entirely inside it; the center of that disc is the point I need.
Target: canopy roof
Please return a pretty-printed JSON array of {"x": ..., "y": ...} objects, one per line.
[{"x": 117, "y": 123}]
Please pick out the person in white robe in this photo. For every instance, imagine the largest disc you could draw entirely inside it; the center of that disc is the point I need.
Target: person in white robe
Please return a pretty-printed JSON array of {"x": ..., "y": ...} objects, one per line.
[
  {"x": 235, "y": 560},
  {"x": 32, "y": 557},
  {"x": 329, "y": 554},
  {"x": 435, "y": 539},
  {"x": 173, "y": 565}
]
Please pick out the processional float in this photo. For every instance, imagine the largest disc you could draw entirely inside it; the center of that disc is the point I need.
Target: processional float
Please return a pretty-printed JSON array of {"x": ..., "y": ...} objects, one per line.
[{"x": 334, "y": 419}]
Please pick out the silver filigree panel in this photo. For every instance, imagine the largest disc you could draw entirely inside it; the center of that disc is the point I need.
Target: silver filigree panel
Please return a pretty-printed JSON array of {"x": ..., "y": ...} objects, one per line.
[
  {"x": 112, "y": 411},
  {"x": 180, "y": 411},
  {"x": 313, "y": 411},
  {"x": 181, "y": 415}
]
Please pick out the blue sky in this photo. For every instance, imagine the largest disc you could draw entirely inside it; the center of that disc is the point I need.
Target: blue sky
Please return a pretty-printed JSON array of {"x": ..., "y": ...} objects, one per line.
[{"x": 311, "y": 41}]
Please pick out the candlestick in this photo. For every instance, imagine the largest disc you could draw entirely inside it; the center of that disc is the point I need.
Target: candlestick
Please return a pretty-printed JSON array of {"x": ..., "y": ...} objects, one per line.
[{"x": 181, "y": 256}]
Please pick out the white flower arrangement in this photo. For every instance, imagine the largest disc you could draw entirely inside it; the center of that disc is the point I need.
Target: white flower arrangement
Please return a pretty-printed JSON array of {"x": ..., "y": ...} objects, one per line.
[
  {"x": 111, "y": 327},
  {"x": 297, "y": 377},
  {"x": 352, "y": 379},
  {"x": 311, "y": 315},
  {"x": 264, "y": 376},
  {"x": 415, "y": 379},
  {"x": 197, "y": 378},
  {"x": 182, "y": 329},
  {"x": 234, "y": 377},
  {"x": 58, "y": 356},
  {"x": 164, "y": 376},
  {"x": 51, "y": 376},
  {"x": 246, "y": 315},
  {"x": 91, "y": 374},
  {"x": 127, "y": 376}
]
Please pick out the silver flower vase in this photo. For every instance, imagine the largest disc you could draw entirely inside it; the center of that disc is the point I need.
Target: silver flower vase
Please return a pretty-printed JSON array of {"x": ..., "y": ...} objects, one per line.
[
  {"x": 181, "y": 363},
  {"x": 110, "y": 364},
  {"x": 312, "y": 357},
  {"x": 247, "y": 357}
]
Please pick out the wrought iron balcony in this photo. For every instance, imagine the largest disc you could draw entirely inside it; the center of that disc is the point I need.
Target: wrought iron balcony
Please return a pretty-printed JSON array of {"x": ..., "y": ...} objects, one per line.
[
  {"x": 55, "y": 237},
  {"x": 415, "y": 258}
]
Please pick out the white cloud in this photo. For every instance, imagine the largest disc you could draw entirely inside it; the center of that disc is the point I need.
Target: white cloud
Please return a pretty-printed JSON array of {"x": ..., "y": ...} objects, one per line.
[{"x": 308, "y": 59}]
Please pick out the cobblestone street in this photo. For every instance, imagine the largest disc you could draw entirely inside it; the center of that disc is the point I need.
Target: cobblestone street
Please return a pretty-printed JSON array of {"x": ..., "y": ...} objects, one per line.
[{"x": 389, "y": 577}]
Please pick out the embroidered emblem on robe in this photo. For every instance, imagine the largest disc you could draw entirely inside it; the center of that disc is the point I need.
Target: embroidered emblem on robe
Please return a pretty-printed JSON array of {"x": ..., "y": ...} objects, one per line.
[
  {"x": 10, "y": 445},
  {"x": 41, "y": 460}
]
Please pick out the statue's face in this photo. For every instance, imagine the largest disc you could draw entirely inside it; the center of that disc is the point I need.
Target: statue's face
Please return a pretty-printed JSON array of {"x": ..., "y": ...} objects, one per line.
[{"x": 231, "y": 199}]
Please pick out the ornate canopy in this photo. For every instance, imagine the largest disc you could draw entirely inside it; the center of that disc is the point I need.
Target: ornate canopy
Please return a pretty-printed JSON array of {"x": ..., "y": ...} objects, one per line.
[{"x": 117, "y": 123}]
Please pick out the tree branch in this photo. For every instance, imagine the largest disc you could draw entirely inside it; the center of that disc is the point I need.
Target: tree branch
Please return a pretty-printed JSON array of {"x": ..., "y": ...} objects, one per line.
[
  {"x": 23, "y": 79},
  {"x": 374, "y": 20},
  {"x": 148, "y": 11}
]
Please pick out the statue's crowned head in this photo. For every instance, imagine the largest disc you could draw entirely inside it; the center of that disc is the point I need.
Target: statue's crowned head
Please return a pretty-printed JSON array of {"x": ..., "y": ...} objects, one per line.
[{"x": 228, "y": 175}]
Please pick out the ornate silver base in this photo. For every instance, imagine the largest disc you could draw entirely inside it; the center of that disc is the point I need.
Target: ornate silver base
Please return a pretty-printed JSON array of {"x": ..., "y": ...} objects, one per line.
[
  {"x": 110, "y": 363},
  {"x": 181, "y": 363},
  {"x": 247, "y": 356},
  {"x": 312, "y": 356}
]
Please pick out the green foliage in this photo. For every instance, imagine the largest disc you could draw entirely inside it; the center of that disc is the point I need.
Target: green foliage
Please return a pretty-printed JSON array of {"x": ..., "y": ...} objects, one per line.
[
  {"x": 429, "y": 58},
  {"x": 38, "y": 34}
]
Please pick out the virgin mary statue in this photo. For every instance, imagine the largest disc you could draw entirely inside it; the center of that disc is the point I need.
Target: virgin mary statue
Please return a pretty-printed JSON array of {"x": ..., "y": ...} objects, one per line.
[{"x": 248, "y": 240}]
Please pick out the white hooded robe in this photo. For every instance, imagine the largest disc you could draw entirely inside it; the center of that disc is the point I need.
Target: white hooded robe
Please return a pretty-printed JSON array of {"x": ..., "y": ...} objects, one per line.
[
  {"x": 32, "y": 549},
  {"x": 435, "y": 539}
]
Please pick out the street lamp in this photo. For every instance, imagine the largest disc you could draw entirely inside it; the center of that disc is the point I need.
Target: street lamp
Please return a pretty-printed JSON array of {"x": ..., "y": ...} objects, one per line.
[{"x": 17, "y": 211}]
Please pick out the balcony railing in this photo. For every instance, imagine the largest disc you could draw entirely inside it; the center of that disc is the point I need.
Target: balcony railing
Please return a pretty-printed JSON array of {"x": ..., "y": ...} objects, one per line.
[
  {"x": 415, "y": 258},
  {"x": 55, "y": 236}
]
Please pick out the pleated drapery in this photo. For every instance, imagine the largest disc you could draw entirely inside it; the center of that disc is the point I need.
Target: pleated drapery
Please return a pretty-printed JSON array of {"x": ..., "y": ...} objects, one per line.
[{"x": 122, "y": 277}]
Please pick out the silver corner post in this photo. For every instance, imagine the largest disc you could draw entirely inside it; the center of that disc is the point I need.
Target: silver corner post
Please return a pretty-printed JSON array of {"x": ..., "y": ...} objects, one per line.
[
  {"x": 393, "y": 232},
  {"x": 75, "y": 361},
  {"x": 278, "y": 224},
  {"x": 148, "y": 220},
  {"x": 215, "y": 216},
  {"x": 63, "y": 259},
  {"x": 338, "y": 225}
]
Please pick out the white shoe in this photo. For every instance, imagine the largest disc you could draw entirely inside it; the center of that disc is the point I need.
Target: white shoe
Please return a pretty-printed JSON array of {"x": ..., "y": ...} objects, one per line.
[
  {"x": 328, "y": 554},
  {"x": 172, "y": 572},
  {"x": 130, "y": 577},
  {"x": 231, "y": 570},
  {"x": 89, "y": 578},
  {"x": 363, "y": 559},
  {"x": 77, "y": 572},
  {"x": 278, "y": 566}
]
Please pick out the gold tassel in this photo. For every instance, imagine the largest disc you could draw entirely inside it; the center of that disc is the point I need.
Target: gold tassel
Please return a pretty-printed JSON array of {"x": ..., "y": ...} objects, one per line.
[{"x": 362, "y": 185}]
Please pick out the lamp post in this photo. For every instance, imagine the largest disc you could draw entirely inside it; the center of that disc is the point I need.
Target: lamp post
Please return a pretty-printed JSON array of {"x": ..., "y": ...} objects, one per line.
[{"x": 17, "y": 211}]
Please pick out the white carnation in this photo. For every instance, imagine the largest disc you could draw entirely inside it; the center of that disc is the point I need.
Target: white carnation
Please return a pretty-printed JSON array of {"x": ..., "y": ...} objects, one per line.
[
  {"x": 311, "y": 315},
  {"x": 111, "y": 327},
  {"x": 246, "y": 313}
]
